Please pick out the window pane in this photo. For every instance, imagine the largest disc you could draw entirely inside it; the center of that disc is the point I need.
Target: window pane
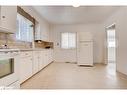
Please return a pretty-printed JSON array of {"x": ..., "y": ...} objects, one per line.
[
  {"x": 24, "y": 29},
  {"x": 64, "y": 40},
  {"x": 72, "y": 40},
  {"x": 68, "y": 40}
]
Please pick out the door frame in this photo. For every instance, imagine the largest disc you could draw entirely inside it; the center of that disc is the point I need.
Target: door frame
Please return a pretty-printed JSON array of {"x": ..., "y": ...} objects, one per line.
[{"x": 106, "y": 43}]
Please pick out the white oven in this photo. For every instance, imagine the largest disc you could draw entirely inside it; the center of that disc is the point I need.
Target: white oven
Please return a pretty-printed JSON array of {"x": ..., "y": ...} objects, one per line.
[{"x": 9, "y": 67}]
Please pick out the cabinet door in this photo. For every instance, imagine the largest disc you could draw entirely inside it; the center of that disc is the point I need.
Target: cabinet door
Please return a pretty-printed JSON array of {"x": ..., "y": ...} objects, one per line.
[
  {"x": 35, "y": 62},
  {"x": 41, "y": 60},
  {"x": 26, "y": 69},
  {"x": 48, "y": 56},
  {"x": 44, "y": 32},
  {"x": 44, "y": 36},
  {"x": 8, "y": 17},
  {"x": 47, "y": 35},
  {"x": 25, "y": 66},
  {"x": 51, "y": 55},
  {"x": 45, "y": 58},
  {"x": 41, "y": 63},
  {"x": 37, "y": 31}
]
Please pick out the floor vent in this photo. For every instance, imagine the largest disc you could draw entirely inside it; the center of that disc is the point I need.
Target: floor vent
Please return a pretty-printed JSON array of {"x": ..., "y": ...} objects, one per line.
[
  {"x": 71, "y": 62},
  {"x": 67, "y": 62}
]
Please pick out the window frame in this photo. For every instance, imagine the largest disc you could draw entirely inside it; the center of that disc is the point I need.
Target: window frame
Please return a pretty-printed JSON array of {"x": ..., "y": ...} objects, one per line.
[
  {"x": 26, "y": 15},
  {"x": 61, "y": 41}
]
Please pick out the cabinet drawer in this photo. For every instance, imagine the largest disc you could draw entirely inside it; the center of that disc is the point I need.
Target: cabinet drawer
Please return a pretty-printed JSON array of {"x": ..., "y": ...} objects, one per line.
[{"x": 26, "y": 54}]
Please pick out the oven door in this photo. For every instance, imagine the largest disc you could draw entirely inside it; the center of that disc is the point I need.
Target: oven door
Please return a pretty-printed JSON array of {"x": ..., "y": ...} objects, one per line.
[{"x": 8, "y": 69}]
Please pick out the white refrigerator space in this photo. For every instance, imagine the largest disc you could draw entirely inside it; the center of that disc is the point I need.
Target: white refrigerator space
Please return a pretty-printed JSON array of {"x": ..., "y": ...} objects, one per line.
[{"x": 85, "y": 49}]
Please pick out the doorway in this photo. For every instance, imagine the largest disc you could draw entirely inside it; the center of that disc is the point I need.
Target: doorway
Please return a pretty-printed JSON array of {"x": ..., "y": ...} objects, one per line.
[{"x": 111, "y": 46}]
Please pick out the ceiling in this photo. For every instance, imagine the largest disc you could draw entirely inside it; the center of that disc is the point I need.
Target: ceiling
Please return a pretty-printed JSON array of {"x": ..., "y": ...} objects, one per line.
[{"x": 72, "y": 15}]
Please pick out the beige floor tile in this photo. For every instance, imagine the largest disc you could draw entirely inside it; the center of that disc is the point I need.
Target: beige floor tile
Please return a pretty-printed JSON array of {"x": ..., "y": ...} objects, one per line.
[{"x": 71, "y": 76}]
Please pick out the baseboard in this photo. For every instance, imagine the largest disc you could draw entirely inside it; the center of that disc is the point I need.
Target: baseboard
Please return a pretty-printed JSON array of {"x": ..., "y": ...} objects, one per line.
[
  {"x": 99, "y": 63},
  {"x": 121, "y": 74},
  {"x": 63, "y": 62},
  {"x": 36, "y": 73}
]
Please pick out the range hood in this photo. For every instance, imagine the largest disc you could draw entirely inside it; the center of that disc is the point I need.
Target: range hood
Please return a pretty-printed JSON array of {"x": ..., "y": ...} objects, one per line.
[
  {"x": 42, "y": 41},
  {"x": 5, "y": 30}
]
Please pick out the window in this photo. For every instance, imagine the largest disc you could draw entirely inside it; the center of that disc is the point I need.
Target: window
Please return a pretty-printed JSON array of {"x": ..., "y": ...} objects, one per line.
[
  {"x": 68, "y": 40},
  {"x": 24, "y": 29}
]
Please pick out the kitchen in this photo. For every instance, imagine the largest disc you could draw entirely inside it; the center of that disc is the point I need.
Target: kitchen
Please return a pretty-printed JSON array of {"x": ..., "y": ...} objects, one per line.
[
  {"x": 21, "y": 58},
  {"x": 39, "y": 42}
]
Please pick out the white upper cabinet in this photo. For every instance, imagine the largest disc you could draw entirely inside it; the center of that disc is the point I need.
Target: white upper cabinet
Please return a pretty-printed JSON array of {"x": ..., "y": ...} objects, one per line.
[
  {"x": 41, "y": 32},
  {"x": 35, "y": 61},
  {"x": 8, "y": 16},
  {"x": 37, "y": 31}
]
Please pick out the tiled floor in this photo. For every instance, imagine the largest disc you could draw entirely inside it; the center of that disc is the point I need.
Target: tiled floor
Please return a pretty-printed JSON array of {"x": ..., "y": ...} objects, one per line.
[{"x": 71, "y": 76}]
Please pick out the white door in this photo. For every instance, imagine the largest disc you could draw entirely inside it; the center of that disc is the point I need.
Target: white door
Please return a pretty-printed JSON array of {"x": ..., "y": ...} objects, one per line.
[{"x": 85, "y": 53}]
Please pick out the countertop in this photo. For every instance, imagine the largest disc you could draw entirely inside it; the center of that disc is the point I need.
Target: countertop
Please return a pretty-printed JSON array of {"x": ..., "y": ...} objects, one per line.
[
  {"x": 6, "y": 50},
  {"x": 35, "y": 49}
]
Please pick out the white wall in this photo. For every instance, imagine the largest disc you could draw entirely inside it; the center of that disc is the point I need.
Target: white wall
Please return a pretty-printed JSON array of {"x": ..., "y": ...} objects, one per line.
[
  {"x": 70, "y": 55},
  {"x": 120, "y": 18}
]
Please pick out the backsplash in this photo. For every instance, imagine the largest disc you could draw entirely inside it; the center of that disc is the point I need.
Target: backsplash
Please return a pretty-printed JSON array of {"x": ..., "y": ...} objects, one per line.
[
  {"x": 11, "y": 41},
  {"x": 43, "y": 44}
]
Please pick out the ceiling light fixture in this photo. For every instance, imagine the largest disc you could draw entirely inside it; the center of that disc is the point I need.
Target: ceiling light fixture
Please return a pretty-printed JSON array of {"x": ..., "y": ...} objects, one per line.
[{"x": 75, "y": 4}]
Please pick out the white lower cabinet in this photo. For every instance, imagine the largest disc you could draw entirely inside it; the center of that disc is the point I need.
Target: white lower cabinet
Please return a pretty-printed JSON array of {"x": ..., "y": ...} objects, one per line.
[
  {"x": 44, "y": 59},
  {"x": 50, "y": 56},
  {"x": 34, "y": 61},
  {"x": 41, "y": 61},
  {"x": 26, "y": 65}
]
